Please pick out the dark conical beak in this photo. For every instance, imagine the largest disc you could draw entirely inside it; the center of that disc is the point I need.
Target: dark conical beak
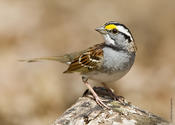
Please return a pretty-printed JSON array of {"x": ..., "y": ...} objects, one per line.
[{"x": 101, "y": 30}]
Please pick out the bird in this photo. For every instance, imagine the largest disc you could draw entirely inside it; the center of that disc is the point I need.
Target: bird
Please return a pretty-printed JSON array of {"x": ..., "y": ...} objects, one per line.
[{"x": 105, "y": 62}]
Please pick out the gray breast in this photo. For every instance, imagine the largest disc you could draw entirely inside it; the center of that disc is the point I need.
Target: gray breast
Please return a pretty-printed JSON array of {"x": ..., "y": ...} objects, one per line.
[{"x": 115, "y": 61}]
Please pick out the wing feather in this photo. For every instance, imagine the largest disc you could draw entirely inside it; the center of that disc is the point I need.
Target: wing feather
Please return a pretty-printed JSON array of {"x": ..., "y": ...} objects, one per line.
[{"x": 89, "y": 60}]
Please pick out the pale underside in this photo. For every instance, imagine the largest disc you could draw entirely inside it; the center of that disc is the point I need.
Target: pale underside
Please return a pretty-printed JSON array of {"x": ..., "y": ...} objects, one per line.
[
  {"x": 105, "y": 77},
  {"x": 115, "y": 65}
]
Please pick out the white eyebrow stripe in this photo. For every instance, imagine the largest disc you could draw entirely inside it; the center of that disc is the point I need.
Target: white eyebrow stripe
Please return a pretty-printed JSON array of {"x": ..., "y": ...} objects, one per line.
[{"x": 125, "y": 31}]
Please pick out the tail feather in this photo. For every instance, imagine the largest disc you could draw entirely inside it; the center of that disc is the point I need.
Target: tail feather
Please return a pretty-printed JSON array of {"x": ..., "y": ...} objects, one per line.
[
  {"x": 67, "y": 58},
  {"x": 62, "y": 59}
]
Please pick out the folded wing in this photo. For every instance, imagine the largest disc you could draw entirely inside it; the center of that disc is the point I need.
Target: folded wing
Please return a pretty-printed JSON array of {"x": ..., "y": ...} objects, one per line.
[{"x": 88, "y": 60}]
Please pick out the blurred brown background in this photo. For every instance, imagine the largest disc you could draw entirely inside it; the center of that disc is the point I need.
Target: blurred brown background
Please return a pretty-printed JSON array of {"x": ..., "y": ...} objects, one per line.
[{"x": 37, "y": 93}]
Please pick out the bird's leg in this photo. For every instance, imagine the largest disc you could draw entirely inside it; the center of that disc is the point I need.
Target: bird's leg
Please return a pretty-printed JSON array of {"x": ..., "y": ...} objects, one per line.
[
  {"x": 109, "y": 90},
  {"x": 97, "y": 98}
]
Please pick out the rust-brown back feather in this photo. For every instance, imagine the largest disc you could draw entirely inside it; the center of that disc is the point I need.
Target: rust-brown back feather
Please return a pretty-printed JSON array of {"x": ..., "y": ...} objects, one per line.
[{"x": 88, "y": 60}]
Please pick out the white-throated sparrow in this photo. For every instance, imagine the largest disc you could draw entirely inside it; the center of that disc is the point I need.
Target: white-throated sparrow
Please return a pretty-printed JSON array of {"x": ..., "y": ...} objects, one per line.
[{"x": 105, "y": 62}]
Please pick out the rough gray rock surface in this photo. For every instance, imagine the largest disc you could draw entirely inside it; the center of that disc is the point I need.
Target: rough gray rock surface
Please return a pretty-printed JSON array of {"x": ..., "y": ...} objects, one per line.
[{"x": 86, "y": 112}]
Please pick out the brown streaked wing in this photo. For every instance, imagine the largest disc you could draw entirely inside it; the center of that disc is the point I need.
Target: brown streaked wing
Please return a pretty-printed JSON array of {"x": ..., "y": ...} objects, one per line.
[{"x": 87, "y": 61}]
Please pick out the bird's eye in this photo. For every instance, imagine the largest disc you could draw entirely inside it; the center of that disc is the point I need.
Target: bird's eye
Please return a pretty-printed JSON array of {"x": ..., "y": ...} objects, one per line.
[{"x": 114, "y": 31}]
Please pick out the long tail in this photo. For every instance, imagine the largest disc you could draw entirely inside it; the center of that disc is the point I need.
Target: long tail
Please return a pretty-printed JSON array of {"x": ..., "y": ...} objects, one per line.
[
  {"x": 63, "y": 59},
  {"x": 67, "y": 58}
]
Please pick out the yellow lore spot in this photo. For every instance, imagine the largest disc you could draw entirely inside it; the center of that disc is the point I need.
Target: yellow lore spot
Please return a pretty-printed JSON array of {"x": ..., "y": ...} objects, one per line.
[{"x": 110, "y": 27}]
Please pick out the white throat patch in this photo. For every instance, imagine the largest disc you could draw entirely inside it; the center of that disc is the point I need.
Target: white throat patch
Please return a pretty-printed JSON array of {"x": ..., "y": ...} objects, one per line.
[{"x": 108, "y": 40}]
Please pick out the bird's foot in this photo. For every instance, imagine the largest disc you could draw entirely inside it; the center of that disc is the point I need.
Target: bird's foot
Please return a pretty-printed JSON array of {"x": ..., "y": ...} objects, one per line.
[{"x": 101, "y": 103}]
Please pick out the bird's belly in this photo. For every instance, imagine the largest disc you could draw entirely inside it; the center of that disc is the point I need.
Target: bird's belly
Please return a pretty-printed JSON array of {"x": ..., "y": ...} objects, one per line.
[{"x": 106, "y": 77}]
